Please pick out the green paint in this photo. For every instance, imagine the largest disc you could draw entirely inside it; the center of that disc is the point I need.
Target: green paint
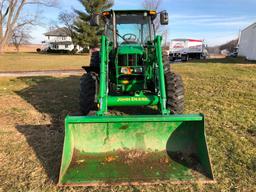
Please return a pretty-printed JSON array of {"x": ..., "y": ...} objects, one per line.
[
  {"x": 143, "y": 56},
  {"x": 130, "y": 49},
  {"x": 110, "y": 149},
  {"x": 159, "y": 57},
  {"x": 103, "y": 76},
  {"x": 133, "y": 101}
]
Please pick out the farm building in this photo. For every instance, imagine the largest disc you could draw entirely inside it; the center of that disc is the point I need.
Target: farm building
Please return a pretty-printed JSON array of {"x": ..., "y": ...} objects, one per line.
[
  {"x": 247, "y": 42},
  {"x": 59, "y": 40}
]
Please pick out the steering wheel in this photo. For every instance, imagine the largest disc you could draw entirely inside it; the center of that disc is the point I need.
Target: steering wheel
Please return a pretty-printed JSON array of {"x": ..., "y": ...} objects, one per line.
[{"x": 130, "y": 37}]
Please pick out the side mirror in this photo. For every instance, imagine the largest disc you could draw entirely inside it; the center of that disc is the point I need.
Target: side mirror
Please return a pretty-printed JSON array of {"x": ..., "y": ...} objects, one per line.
[
  {"x": 95, "y": 20},
  {"x": 164, "y": 19}
]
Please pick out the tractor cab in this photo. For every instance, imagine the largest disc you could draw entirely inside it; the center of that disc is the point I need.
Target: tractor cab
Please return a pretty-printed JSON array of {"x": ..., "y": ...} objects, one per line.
[
  {"x": 131, "y": 35},
  {"x": 132, "y": 27}
]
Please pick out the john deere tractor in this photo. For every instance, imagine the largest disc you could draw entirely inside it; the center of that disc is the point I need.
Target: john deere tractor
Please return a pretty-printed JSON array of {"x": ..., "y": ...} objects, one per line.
[{"x": 131, "y": 70}]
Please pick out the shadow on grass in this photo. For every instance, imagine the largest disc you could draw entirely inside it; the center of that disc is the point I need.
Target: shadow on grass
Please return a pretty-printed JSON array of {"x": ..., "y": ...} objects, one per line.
[{"x": 54, "y": 97}]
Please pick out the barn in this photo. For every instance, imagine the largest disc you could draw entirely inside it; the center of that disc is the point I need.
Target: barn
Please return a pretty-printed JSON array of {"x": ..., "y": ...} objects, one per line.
[{"x": 247, "y": 42}]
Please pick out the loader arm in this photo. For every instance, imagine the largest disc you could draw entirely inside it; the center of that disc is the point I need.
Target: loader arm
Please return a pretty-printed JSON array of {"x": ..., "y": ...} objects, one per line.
[{"x": 103, "y": 95}]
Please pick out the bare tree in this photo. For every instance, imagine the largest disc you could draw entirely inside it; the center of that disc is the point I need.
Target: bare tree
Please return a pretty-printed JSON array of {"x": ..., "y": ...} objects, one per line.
[
  {"x": 155, "y": 5},
  {"x": 12, "y": 16},
  {"x": 68, "y": 19},
  {"x": 20, "y": 37},
  {"x": 53, "y": 25},
  {"x": 151, "y": 4},
  {"x": 165, "y": 39}
]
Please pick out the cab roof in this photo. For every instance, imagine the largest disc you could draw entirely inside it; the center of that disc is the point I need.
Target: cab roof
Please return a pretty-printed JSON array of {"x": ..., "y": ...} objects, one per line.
[
  {"x": 131, "y": 10},
  {"x": 130, "y": 16}
]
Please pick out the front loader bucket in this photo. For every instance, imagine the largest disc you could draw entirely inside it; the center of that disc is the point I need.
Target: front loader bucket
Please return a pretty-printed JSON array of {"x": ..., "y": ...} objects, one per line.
[{"x": 134, "y": 150}]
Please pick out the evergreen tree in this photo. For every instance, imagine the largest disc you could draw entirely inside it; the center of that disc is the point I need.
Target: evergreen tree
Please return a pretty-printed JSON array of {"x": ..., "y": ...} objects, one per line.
[{"x": 85, "y": 34}]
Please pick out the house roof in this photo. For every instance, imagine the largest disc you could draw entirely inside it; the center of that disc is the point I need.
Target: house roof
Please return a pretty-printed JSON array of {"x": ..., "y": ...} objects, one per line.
[{"x": 62, "y": 32}]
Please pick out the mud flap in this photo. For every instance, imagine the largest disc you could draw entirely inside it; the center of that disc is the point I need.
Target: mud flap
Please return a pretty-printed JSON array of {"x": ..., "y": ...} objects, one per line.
[{"x": 134, "y": 150}]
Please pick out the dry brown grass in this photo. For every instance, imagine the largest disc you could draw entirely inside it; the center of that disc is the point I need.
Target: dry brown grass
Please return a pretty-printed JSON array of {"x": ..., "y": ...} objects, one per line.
[
  {"x": 35, "y": 62},
  {"x": 216, "y": 56},
  {"x": 32, "y": 112},
  {"x": 23, "y": 48}
]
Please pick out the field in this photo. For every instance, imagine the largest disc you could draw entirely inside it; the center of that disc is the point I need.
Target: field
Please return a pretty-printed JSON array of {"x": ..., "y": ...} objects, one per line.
[
  {"x": 32, "y": 112},
  {"x": 23, "y": 48},
  {"x": 35, "y": 62}
]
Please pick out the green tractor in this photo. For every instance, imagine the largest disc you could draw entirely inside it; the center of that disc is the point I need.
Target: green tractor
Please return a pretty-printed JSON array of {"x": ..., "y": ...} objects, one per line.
[{"x": 131, "y": 70}]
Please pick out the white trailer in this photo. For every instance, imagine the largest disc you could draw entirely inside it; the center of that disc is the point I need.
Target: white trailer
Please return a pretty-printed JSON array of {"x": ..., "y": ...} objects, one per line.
[
  {"x": 186, "y": 49},
  {"x": 247, "y": 43}
]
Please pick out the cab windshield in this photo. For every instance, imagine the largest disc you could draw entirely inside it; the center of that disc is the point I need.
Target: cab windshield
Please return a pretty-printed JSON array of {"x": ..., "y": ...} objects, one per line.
[{"x": 131, "y": 28}]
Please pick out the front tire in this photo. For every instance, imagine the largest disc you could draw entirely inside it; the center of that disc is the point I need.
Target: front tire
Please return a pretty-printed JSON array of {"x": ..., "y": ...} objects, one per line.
[
  {"x": 174, "y": 92},
  {"x": 88, "y": 86}
]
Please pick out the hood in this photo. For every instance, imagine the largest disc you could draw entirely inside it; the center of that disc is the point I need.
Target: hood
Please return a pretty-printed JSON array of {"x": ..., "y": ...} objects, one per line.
[{"x": 130, "y": 49}]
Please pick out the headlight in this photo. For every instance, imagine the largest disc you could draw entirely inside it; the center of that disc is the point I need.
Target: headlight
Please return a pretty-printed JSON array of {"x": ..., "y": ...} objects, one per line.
[
  {"x": 138, "y": 70},
  {"x": 126, "y": 70}
]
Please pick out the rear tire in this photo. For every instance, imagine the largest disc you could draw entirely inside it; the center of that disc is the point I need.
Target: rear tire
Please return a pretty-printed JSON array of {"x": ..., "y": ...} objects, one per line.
[
  {"x": 88, "y": 86},
  {"x": 174, "y": 92},
  {"x": 95, "y": 59}
]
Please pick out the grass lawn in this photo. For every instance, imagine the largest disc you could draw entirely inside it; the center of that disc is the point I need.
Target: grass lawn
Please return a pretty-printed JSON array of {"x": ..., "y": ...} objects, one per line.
[
  {"x": 35, "y": 61},
  {"x": 32, "y": 112},
  {"x": 228, "y": 60}
]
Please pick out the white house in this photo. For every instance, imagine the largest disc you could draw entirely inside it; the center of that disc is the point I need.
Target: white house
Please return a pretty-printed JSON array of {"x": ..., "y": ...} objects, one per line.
[
  {"x": 59, "y": 40},
  {"x": 247, "y": 42}
]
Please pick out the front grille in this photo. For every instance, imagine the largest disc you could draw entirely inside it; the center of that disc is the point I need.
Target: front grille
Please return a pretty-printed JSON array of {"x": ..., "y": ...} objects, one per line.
[{"x": 129, "y": 60}]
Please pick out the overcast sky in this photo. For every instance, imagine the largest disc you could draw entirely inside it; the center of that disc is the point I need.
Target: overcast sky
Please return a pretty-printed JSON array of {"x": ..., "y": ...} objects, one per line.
[{"x": 216, "y": 21}]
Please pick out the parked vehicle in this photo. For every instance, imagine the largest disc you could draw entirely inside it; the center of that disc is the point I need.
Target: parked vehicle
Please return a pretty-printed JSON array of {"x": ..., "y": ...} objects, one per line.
[
  {"x": 186, "y": 49},
  {"x": 234, "y": 54}
]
